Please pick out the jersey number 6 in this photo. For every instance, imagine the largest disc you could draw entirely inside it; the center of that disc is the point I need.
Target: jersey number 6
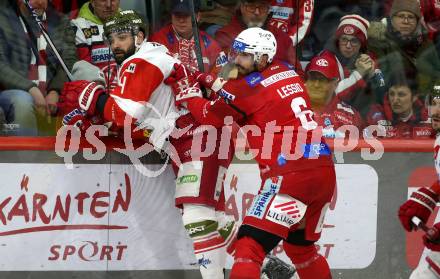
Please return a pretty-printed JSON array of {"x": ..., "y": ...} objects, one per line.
[{"x": 302, "y": 112}]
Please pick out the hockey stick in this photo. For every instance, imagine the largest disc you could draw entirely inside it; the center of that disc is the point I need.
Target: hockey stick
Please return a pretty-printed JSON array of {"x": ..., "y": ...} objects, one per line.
[
  {"x": 432, "y": 234},
  {"x": 196, "y": 33},
  {"x": 48, "y": 40}
]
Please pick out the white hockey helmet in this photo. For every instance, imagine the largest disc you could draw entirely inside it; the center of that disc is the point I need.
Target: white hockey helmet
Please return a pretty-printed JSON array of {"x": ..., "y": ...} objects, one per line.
[{"x": 256, "y": 41}]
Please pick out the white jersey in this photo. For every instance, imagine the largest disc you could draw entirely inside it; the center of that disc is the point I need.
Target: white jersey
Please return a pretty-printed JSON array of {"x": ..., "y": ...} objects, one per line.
[
  {"x": 429, "y": 266},
  {"x": 436, "y": 155},
  {"x": 142, "y": 94}
]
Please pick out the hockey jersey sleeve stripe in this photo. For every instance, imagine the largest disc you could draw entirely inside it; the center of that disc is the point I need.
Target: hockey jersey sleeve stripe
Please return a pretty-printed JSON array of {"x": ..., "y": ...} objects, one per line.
[{"x": 346, "y": 87}]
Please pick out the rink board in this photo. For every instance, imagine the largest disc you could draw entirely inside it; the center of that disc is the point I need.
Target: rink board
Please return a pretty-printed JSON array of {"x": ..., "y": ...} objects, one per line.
[{"x": 361, "y": 237}]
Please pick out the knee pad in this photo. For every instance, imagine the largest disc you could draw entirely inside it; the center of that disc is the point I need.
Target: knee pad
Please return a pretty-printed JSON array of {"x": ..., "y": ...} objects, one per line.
[{"x": 267, "y": 240}]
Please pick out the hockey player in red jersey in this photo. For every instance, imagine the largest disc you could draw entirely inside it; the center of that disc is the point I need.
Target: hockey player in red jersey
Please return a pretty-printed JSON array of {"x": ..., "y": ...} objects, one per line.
[
  {"x": 269, "y": 100},
  {"x": 423, "y": 201}
]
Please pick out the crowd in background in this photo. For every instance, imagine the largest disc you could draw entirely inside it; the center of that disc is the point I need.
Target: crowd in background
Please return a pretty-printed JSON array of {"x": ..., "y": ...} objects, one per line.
[{"x": 365, "y": 62}]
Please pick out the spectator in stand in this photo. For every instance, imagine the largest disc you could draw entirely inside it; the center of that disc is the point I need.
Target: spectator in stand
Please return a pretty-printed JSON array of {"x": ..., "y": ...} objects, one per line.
[
  {"x": 360, "y": 80},
  {"x": 403, "y": 114},
  {"x": 293, "y": 17},
  {"x": 178, "y": 37},
  {"x": 90, "y": 42},
  {"x": 217, "y": 16},
  {"x": 31, "y": 76},
  {"x": 68, "y": 7},
  {"x": 255, "y": 13},
  {"x": 402, "y": 47},
  {"x": 431, "y": 17},
  {"x": 330, "y": 111}
]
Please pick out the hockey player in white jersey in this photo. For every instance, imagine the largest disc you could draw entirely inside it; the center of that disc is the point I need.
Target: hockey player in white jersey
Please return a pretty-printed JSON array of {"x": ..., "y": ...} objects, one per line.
[{"x": 423, "y": 201}]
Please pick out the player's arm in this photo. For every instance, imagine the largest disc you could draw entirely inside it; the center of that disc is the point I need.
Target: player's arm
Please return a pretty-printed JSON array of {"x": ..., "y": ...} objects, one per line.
[
  {"x": 210, "y": 112},
  {"x": 213, "y": 112}
]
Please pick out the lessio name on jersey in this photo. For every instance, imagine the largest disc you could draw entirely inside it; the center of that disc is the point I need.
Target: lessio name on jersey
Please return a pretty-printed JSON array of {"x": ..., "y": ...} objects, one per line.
[{"x": 289, "y": 89}]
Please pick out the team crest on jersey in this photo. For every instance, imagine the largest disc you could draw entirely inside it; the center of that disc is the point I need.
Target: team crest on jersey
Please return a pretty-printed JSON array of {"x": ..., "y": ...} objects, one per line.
[
  {"x": 90, "y": 32},
  {"x": 254, "y": 79},
  {"x": 131, "y": 68},
  {"x": 327, "y": 122}
]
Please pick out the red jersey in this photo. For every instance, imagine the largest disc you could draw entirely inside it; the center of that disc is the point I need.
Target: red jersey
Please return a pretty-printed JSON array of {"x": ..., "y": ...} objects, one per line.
[
  {"x": 416, "y": 126},
  {"x": 294, "y": 17},
  {"x": 275, "y": 107},
  {"x": 336, "y": 114},
  {"x": 184, "y": 50}
]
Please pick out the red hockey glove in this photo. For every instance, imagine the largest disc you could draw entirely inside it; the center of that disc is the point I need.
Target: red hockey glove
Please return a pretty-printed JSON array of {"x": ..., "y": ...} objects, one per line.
[
  {"x": 184, "y": 96},
  {"x": 184, "y": 85},
  {"x": 81, "y": 92},
  {"x": 210, "y": 81},
  {"x": 421, "y": 204},
  {"x": 432, "y": 241},
  {"x": 178, "y": 73},
  {"x": 76, "y": 118}
]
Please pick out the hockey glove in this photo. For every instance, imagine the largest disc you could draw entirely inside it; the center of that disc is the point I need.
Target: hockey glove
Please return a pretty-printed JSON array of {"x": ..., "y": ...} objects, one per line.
[
  {"x": 421, "y": 204},
  {"x": 432, "y": 241},
  {"x": 184, "y": 96},
  {"x": 76, "y": 118},
  {"x": 81, "y": 92},
  {"x": 210, "y": 81}
]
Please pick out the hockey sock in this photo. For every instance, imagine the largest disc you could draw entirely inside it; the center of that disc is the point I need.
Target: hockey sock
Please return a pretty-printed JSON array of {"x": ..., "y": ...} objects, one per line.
[
  {"x": 308, "y": 263},
  {"x": 209, "y": 248},
  {"x": 249, "y": 256}
]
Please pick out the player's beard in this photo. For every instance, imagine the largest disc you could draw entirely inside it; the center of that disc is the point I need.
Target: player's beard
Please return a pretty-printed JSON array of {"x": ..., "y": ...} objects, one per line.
[{"x": 120, "y": 54}]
